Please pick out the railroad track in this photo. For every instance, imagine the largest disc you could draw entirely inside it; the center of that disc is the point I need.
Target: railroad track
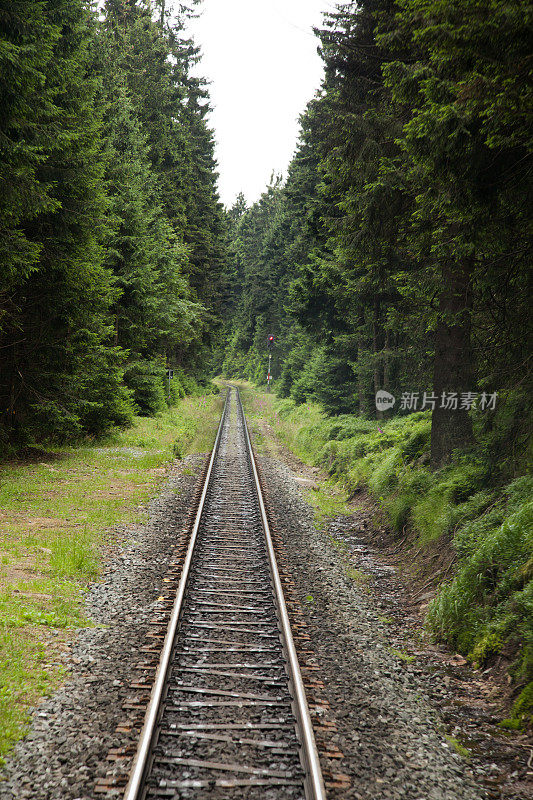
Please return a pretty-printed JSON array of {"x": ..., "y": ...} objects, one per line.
[{"x": 228, "y": 717}]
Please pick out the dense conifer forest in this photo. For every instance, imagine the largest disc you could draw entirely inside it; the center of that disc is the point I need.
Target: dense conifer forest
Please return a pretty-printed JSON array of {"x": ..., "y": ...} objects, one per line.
[
  {"x": 112, "y": 234},
  {"x": 395, "y": 257}
]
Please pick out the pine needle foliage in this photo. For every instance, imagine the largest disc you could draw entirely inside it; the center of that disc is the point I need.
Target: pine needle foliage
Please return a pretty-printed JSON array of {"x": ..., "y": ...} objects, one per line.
[{"x": 106, "y": 169}]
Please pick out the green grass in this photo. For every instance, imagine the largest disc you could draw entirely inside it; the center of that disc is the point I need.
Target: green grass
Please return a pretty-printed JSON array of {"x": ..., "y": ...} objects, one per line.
[
  {"x": 51, "y": 602},
  {"x": 458, "y": 748},
  {"x": 26, "y": 678},
  {"x": 327, "y": 503},
  {"x": 405, "y": 658},
  {"x": 58, "y": 520},
  {"x": 522, "y": 711},
  {"x": 489, "y": 602},
  {"x": 358, "y": 576}
]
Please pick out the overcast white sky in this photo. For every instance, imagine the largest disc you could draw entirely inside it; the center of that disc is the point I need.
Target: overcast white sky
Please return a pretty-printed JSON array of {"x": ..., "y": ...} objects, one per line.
[{"x": 260, "y": 57}]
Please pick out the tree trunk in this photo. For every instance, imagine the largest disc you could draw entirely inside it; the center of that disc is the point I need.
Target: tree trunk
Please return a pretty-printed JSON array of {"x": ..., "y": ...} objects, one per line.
[
  {"x": 451, "y": 428},
  {"x": 376, "y": 350},
  {"x": 386, "y": 362},
  {"x": 362, "y": 346}
]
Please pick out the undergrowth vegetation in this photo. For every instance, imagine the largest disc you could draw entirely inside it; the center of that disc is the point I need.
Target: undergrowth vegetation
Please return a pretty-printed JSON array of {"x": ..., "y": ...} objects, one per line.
[
  {"x": 58, "y": 516},
  {"x": 487, "y": 607}
]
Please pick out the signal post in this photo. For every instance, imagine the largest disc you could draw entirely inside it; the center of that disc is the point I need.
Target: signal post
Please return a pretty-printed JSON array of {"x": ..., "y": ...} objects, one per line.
[{"x": 270, "y": 342}]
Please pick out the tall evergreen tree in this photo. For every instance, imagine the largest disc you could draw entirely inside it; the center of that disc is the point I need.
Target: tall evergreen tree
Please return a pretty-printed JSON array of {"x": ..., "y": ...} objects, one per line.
[
  {"x": 403, "y": 226},
  {"x": 153, "y": 313},
  {"x": 171, "y": 107},
  {"x": 27, "y": 118},
  {"x": 59, "y": 375},
  {"x": 467, "y": 153}
]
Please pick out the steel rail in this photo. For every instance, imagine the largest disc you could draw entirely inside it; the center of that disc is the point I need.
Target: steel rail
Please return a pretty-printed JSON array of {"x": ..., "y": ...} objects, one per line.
[
  {"x": 314, "y": 783},
  {"x": 135, "y": 783}
]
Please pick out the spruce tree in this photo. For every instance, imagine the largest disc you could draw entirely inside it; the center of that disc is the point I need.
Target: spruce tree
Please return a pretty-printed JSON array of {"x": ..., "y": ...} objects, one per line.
[
  {"x": 466, "y": 151},
  {"x": 152, "y": 312},
  {"x": 171, "y": 108}
]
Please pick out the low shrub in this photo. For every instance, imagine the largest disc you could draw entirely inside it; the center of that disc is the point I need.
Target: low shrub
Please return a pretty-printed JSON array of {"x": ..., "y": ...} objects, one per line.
[
  {"x": 146, "y": 379},
  {"x": 522, "y": 711},
  {"x": 490, "y": 600}
]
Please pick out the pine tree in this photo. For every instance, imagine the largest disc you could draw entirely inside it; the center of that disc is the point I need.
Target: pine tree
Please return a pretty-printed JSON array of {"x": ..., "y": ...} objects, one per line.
[
  {"x": 153, "y": 312},
  {"x": 205, "y": 231},
  {"x": 27, "y": 120},
  {"x": 462, "y": 157},
  {"x": 347, "y": 289},
  {"x": 171, "y": 108}
]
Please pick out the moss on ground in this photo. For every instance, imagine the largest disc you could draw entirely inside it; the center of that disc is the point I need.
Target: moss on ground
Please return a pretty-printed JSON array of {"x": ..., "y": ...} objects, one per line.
[
  {"x": 458, "y": 748},
  {"x": 522, "y": 712}
]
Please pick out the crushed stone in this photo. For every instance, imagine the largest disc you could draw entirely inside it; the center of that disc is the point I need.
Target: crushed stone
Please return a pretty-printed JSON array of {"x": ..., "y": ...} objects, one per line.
[{"x": 392, "y": 742}]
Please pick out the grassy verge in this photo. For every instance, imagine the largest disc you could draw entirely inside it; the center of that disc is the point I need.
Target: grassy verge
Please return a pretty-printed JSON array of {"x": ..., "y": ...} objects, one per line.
[
  {"x": 57, "y": 518},
  {"x": 486, "y": 609}
]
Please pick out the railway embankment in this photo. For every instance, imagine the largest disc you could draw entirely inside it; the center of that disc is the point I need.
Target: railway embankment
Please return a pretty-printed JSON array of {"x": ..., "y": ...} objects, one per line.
[{"x": 406, "y": 718}]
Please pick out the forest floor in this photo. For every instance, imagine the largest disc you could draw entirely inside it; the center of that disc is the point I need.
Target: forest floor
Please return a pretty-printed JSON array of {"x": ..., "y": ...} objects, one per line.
[{"x": 400, "y": 580}]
